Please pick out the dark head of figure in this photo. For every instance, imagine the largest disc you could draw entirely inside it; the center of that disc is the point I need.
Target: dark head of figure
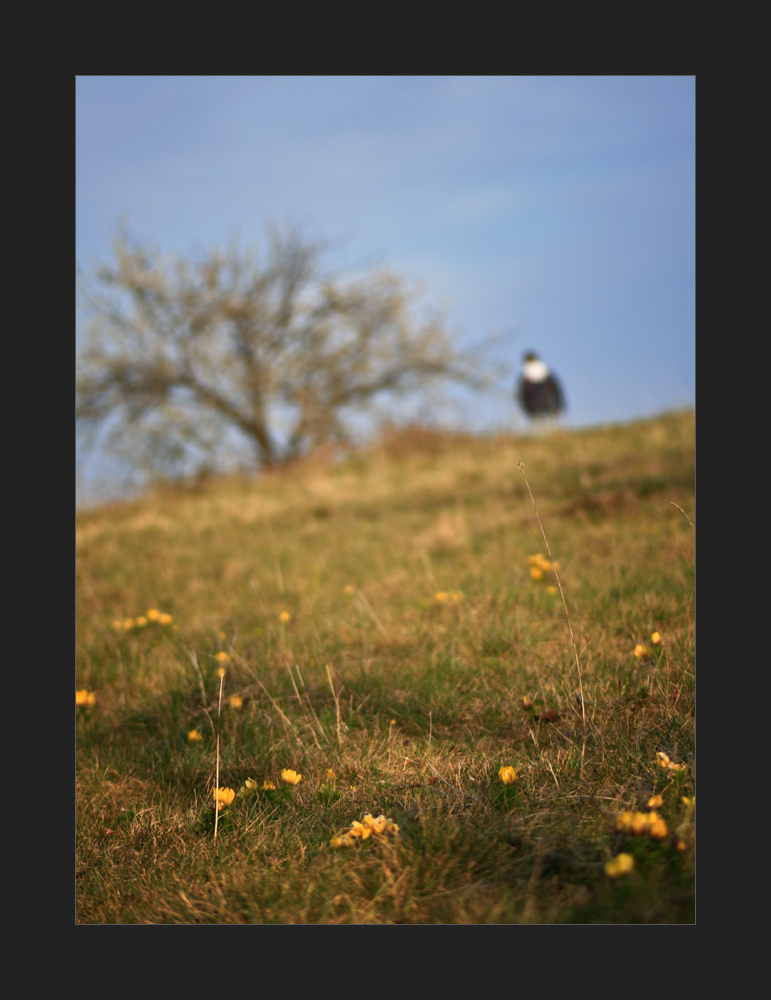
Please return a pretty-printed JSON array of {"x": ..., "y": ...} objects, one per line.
[{"x": 539, "y": 393}]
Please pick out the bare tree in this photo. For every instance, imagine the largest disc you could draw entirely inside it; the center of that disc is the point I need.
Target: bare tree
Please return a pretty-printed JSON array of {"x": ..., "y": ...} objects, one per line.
[{"x": 181, "y": 357}]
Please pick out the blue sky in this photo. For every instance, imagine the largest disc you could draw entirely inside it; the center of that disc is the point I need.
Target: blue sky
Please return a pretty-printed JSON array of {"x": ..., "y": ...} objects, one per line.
[{"x": 554, "y": 213}]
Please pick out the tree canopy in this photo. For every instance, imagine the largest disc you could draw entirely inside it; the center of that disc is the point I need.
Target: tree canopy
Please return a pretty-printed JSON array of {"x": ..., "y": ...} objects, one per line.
[{"x": 182, "y": 360}]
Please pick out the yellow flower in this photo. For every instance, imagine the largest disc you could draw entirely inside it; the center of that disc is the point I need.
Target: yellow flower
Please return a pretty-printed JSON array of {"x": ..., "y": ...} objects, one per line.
[
  {"x": 536, "y": 572},
  {"x": 507, "y": 775},
  {"x": 236, "y": 701},
  {"x": 359, "y": 830},
  {"x": 655, "y": 638},
  {"x": 658, "y": 829},
  {"x": 164, "y": 619},
  {"x": 663, "y": 760},
  {"x": 153, "y": 615},
  {"x": 641, "y": 651},
  {"x": 268, "y": 786},
  {"x": 691, "y": 803},
  {"x": 330, "y": 773},
  {"x": 639, "y": 824},
  {"x": 248, "y": 788},
  {"x": 85, "y": 697},
  {"x": 284, "y": 617},
  {"x": 221, "y": 672},
  {"x": 141, "y": 621},
  {"x": 128, "y": 624},
  {"x": 440, "y": 596},
  {"x": 345, "y": 841},
  {"x": 223, "y": 797},
  {"x": 117, "y": 625},
  {"x": 655, "y": 801},
  {"x": 291, "y": 777},
  {"x": 623, "y": 820},
  {"x": 527, "y": 702},
  {"x": 221, "y": 657},
  {"x": 348, "y": 590},
  {"x": 194, "y": 736},
  {"x": 551, "y": 589},
  {"x": 622, "y": 864},
  {"x": 682, "y": 844}
]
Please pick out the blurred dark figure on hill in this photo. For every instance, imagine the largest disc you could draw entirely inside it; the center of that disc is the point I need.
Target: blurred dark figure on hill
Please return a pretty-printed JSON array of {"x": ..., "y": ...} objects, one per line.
[{"x": 538, "y": 392}]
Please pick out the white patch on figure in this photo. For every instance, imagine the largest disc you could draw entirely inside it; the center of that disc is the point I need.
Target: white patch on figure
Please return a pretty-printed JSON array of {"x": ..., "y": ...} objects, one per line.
[{"x": 535, "y": 371}]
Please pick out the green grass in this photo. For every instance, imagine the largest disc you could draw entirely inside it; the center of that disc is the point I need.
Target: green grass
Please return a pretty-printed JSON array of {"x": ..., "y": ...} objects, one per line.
[{"x": 420, "y": 513}]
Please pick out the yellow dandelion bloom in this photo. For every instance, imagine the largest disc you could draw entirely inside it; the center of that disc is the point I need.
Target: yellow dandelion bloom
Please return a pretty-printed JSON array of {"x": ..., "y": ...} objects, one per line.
[
  {"x": 221, "y": 657},
  {"x": 165, "y": 619},
  {"x": 536, "y": 572},
  {"x": 655, "y": 638},
  {"x": 623, "y": 821},
  {"x": 194, "y": 736},
  {"x": 291, "y": 777},
  {"x": 348, "y": 590},
  {"x": 362, "y": 830},
  {"x": 117, "y": 625},
  {"x": 658, "y": 829},
  {"x": 655, "y": 801},
  {"x": 153, "y": 615},
  {"x": 330, "y": 773},
  {"x": 284, "y": 617},
  {"x": 641, "y": 651},
  {"x": 128, "y": 623},
  {"x": 268, "y": 786},
  {"x": 236, "y": 701},
  {"x": 141, "y": 621},
  {"x": 85, "y": 697},
  {"x": 223, "y": 797},
  {"x": 507, "y": 775},
  {"x": 622, "y": 864}
]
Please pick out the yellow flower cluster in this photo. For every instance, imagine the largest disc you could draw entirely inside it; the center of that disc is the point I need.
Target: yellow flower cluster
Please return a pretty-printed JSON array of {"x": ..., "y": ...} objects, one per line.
[
  {"x": 451, "y": 597},
  {"x": 370, "y": 826},
  {"x": 249, "y": 787},
  {"x": 641, "y": 824},
  {"x": 223, "y": 797},
  {"x": 85, "y": 697},
  {"x": 622, "y": 864},
  {"x": 507, "y": 775},
  {"x": 641, "y": 650},
  {"x": 539, "y": 566},
  {"x": 291, "y": 777},
  {"x": 128, "y": 624},
  {"x": 665, "y": 762}
]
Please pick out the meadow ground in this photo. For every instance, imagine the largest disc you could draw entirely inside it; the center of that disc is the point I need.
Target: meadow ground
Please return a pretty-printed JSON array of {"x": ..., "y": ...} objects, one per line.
[{"x": 383, "y": 624}]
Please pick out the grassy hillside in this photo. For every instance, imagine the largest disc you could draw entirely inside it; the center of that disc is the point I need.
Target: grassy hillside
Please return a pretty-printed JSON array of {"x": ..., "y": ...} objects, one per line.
[{"x": 381, "y": 632}]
